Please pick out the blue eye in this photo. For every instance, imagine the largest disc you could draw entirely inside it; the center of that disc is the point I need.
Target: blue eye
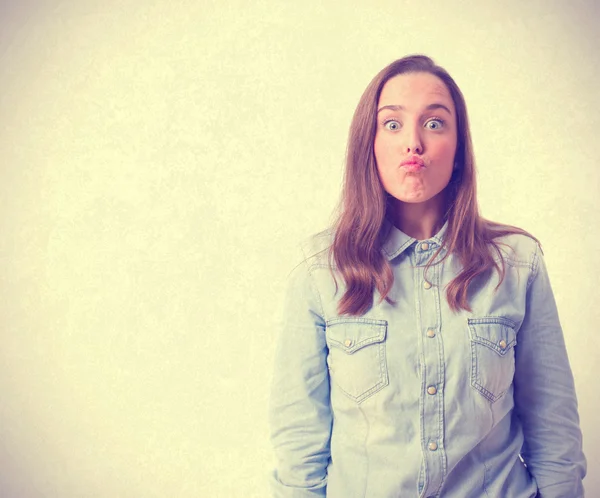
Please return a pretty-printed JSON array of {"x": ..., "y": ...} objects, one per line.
[
  {"x": 392, "y": 125},
  {"x": 434, "y": 124}
]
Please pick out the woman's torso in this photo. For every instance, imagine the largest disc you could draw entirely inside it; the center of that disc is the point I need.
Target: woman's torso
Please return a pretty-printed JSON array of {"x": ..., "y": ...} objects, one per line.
[{"x": 422, "y": 397}]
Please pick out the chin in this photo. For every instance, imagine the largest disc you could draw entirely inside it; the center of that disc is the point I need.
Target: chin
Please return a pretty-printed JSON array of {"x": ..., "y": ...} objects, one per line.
[
  {"x": 412, "y": 199},
  {"x": 417, "y": 197}
]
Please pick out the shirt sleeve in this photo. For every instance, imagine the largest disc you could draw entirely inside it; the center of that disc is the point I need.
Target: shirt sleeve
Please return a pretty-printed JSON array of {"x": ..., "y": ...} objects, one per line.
[
  {"x": 299, "y": 412},
  {"x": 545, "y": 397}
]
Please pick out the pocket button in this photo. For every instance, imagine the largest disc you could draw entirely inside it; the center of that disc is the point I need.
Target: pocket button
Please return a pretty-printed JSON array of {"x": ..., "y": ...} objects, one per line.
[
  {"x": 502, "y": 344},
  {"x": 348, "y": 343}
]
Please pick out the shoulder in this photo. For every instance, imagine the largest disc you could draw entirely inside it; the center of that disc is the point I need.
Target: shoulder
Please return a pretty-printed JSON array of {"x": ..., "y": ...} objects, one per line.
[
  {"x": 305, "y": 282},
  {"x": 316, "y": 249},
  {"x": 517, "y": 247}
]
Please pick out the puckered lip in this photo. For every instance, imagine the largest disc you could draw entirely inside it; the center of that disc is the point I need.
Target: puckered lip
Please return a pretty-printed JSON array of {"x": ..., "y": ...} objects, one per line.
[{"x": 413, "y": 161}]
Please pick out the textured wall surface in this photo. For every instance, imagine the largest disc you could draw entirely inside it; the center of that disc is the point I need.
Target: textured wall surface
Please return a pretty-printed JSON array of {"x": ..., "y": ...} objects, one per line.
[{"x": 159, "y": 162}]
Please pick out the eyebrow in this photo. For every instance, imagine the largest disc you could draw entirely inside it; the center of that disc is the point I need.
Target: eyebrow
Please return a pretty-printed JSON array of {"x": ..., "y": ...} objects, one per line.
[{"x": 430, "y": 107}]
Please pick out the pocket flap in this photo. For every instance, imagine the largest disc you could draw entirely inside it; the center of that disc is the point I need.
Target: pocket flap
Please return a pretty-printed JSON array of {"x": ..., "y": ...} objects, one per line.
[
  {"x": 495, "y": 332},
  {"x": 350, "y": 335}
]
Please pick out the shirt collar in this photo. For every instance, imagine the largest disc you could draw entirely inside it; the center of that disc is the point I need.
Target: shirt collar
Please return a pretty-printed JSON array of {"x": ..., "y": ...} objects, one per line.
[{"x": 396, "y": 241}]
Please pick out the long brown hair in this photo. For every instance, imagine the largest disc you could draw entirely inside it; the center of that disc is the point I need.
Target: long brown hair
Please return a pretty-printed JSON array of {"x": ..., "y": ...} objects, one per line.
[{"x": 356, "y": 249}]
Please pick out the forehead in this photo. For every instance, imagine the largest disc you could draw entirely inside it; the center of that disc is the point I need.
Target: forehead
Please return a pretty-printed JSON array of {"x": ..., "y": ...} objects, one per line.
[{"x": 415, "y": 89}]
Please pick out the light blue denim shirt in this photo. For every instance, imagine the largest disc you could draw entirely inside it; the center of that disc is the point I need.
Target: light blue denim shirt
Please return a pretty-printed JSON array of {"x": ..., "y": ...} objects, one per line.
[{"x": 414, "y": 400}]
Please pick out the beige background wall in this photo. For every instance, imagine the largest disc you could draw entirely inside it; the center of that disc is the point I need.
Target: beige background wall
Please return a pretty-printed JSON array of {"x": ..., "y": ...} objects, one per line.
[{"x": 159, "y": 161}]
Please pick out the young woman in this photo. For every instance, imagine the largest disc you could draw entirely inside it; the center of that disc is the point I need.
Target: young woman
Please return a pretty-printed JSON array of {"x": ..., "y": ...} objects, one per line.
[{"x": 421, "y": 352}]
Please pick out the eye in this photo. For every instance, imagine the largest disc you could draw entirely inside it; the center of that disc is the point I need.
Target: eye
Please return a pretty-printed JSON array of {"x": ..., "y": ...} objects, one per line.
[
  {"x": 392, "y": 125},
  {"x": 434, "y": 124}
]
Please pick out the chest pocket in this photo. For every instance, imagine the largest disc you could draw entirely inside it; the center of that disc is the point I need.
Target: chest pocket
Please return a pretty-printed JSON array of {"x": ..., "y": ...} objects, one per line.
[
  {"x": 493, "y": 340},
  {"x": 357, "y": 360}
]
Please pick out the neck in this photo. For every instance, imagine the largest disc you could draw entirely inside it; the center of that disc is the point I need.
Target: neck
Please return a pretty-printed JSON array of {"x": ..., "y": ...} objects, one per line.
[{"x": 420, "y": 220}]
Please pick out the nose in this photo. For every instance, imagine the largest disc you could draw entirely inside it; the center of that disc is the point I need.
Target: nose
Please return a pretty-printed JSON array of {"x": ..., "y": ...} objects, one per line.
[{"x": 412, "y": 141}]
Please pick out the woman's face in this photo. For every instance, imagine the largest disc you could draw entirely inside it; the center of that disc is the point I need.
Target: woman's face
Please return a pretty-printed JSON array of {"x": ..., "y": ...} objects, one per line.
[{"x": 416, "y": 137}]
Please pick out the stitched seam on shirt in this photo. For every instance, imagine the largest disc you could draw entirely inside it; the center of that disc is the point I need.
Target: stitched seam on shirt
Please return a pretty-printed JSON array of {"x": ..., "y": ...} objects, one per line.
[
  {"x": 497, "y": 319},
  {"x": 535, "y": 265},
  {"x": 314, "y": 287},
  {"x": 485, "y": 473},
  {"x": 422, "y": 372},
  {"x": 357, "y": 319},
  {"x": 358, "y": 345},
  {"x": 315, "y": 265},
  {"x": 442, "y": 374},
  {"x": 517, "y": 264}
]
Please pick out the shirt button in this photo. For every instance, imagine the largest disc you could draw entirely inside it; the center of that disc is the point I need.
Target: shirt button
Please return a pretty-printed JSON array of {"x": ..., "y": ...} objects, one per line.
[
  {"x": 431, "y": 390},
  {"x": 426, "y": 285},
  {"x": 431, "y": 333},
  {"x": 432, "y": 446},
  {"x": 348, "y": 342},
  {"x": 502, "y": 344},
  {"x": 424, "y": 246}
]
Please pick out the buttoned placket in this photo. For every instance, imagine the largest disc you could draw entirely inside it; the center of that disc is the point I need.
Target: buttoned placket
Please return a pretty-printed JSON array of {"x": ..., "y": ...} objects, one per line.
[{"x": 431, "y": 402}]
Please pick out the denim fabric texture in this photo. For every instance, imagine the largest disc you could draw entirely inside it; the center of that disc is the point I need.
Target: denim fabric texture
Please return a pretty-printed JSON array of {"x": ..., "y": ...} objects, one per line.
[{"x": 414, "y": 400}]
